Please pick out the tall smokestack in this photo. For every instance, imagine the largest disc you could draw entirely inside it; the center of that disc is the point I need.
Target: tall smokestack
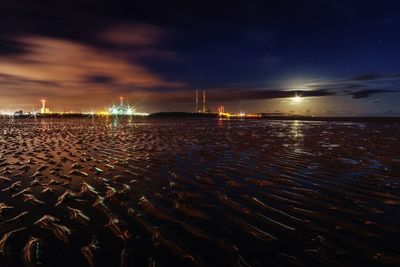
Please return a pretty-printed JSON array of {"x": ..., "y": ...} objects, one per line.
[
  {"x": 197, "y": 101},
  {"x": 204, "y": 101},
  {"x": 121, "y": 99},
  {"x": 43, "y": 103}
]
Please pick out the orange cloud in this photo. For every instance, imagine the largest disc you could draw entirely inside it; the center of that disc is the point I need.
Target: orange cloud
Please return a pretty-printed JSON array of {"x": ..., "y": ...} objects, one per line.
[{"x": 60, "y": 68}]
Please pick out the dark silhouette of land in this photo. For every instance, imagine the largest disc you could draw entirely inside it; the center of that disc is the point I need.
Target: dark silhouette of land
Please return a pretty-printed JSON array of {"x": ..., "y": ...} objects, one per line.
[{"x": 215, "y": 115}]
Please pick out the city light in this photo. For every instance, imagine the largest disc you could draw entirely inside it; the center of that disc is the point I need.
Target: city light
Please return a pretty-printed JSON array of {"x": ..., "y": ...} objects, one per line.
[{"x": 223, "y": 114}]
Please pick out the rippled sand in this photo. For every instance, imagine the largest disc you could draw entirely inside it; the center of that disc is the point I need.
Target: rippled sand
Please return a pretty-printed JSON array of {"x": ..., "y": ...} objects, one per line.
[{"x": 198, "y": 192}]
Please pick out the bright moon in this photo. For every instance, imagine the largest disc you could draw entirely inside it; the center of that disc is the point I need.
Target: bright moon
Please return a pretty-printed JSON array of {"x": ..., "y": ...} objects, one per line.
[{"x": 297, "y": 99}]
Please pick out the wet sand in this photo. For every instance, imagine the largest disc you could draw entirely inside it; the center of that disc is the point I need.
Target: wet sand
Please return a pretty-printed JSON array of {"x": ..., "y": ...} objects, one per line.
[{"x": 198, "y": 192}]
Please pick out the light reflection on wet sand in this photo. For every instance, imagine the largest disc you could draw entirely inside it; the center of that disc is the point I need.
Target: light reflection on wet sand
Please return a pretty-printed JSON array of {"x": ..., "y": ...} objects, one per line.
[{"x": 198, "y": 192}]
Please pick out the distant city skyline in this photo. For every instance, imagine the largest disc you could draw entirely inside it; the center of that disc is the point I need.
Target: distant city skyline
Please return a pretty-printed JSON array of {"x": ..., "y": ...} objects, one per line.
[{"x": 339, "y": 58}]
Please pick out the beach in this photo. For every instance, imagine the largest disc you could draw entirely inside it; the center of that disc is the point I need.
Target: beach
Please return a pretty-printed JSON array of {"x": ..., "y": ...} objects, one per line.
[{"x": 120, "y": 191}]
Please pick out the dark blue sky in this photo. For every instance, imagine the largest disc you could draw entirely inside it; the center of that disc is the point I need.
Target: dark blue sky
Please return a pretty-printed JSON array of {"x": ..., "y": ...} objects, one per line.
[{"x": 341, "y": 56}]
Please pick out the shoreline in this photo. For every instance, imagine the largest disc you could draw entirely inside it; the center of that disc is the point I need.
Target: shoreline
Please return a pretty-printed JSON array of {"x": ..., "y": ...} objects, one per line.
[{"x": 215, "y": 115}]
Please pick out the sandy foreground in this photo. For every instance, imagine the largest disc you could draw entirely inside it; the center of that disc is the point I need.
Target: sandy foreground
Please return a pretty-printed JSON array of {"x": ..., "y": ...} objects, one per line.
[{"x": 198, "y": 192}]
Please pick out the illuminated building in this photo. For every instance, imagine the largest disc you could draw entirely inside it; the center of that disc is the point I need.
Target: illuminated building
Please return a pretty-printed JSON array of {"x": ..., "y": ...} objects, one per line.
[
  {"x": 204, "y": 108},
  {"x": 223, "y": 114},
  {"x": 122, "y": 110},
  {"x": 44, "y": 110},
  {"x": 221, "y": 110}
]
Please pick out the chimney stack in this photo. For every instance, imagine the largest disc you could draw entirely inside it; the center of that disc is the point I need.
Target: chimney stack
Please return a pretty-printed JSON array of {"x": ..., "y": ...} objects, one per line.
[
  {"x": 204, "y": 101},
  {"x": 197, "y": 101}
]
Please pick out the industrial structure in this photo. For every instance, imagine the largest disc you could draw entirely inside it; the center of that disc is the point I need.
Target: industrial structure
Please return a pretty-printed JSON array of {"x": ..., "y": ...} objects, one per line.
[
  {"x": 197, "y": 102},
  {"x": 204, "y": 102},
  {"x": 221, "y": 110},
  {"x": 204, "y": 107},
  {"x": 44, "y": 110},
  {"x": 121, "y": 109},
  {"x": 223, "y": 114}
]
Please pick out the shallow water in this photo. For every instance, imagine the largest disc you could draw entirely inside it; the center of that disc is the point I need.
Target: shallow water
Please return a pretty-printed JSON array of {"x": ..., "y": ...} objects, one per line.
[{"x": 198, "y": 192}]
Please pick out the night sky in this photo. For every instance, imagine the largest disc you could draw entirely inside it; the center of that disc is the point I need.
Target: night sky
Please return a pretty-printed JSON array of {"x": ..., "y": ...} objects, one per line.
[{"x": 341, "y": 57}]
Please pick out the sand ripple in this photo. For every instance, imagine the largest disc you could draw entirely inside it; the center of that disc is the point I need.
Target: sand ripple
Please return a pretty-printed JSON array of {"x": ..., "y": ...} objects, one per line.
[{"x": 204, "y": 192}]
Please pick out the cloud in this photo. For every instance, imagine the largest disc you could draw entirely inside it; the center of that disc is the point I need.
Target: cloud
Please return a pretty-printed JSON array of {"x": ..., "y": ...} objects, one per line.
[
  {"x": 70, "y": 62},
  {"x": 266, "y": 94},
  {"x": 374, "y": 77},
  {"x": 100, "y": 79},
  {"x": 361, "y": 86},
  {"x": 366, "y": 77},
  {"x": 242, "y": 94},
  {"x": 10, "y": 47},
  {"x": 65, "y": 69},
  {"x": 367, "y": 93}
]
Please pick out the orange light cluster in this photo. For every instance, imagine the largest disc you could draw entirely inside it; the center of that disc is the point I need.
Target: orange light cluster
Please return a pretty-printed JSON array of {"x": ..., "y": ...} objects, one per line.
[{"x": 223, "y": 114}]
